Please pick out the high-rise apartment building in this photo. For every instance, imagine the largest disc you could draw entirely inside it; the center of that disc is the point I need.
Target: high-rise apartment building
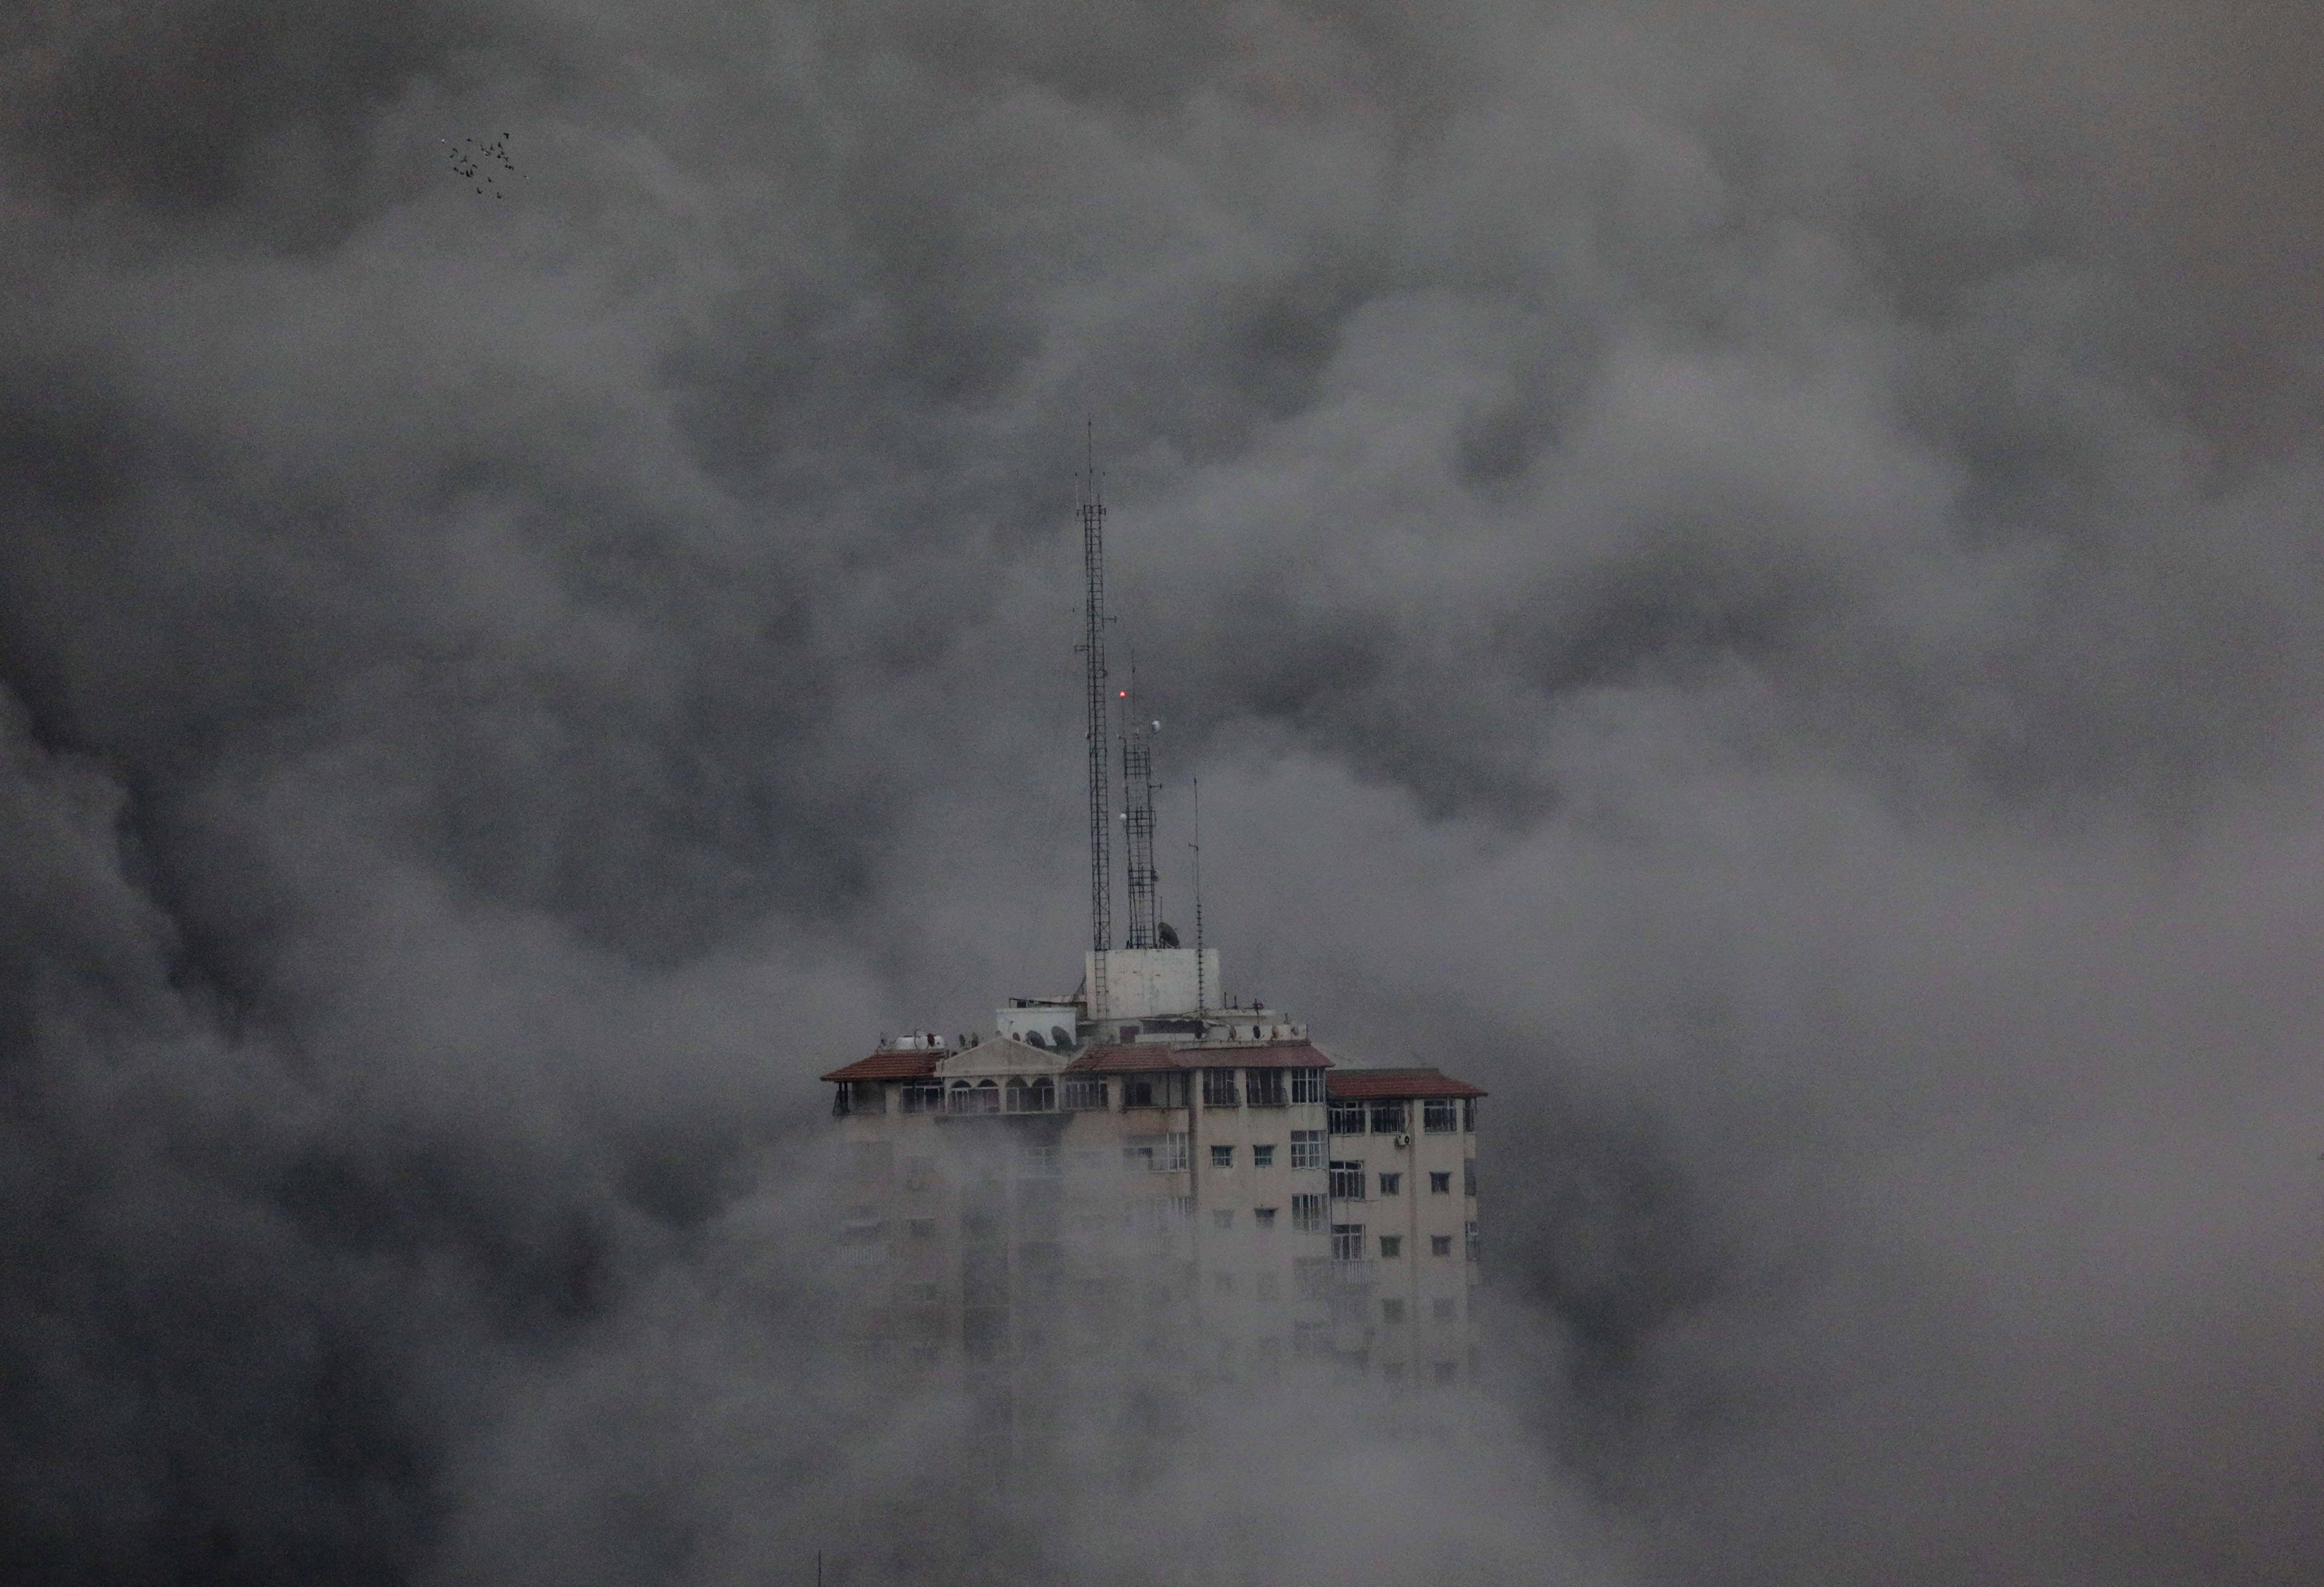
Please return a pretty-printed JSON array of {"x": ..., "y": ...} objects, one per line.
[
  {"x": 1144, "y": 1176},
  {"x": 1197, "y": 1183}
]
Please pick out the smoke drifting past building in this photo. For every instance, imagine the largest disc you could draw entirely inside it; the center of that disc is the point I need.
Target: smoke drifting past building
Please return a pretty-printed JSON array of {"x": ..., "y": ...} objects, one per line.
[
  {"x": 1201, "y": 1187},
  {"x": 1141, "y": 1178}
]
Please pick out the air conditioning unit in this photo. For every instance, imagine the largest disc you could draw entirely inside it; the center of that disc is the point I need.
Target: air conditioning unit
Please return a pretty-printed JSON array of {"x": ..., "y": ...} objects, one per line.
[{"x": 1404, "y": 1140}]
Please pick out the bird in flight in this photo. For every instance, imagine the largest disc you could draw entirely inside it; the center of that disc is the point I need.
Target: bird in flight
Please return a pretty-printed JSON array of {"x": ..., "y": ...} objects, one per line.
[{"x": 470, "y": 160}]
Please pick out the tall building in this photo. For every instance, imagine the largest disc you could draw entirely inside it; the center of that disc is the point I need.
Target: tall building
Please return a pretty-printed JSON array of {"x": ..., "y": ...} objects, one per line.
[
  {"x": 1201, "y": 1184},
  {"x": 1144, "y": 1177}
]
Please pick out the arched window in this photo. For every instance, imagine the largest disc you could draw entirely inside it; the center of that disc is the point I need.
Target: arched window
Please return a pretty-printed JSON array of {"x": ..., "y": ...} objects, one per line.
[
  {"x": 960, "y": 1102},
  {"x": 988, "y": 1097},
  {"x": 1043, "y": 1096},
  {"x": 1016, "y": 1094}
]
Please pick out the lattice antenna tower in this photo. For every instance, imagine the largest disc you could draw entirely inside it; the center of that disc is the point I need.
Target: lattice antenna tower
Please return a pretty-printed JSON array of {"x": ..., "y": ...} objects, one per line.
[
  {"x": 1137, "y": 786},
  {"x": 1201, "y": 993},
  {"x": 1092, "y": 649}
]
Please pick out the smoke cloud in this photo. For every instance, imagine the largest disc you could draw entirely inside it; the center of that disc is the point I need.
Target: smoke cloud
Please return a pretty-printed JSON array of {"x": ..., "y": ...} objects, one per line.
[{"x": 1743, "y": 576}]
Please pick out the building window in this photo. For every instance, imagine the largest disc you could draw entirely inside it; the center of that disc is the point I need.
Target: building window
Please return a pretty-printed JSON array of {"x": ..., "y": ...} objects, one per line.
[
  {"x": 1263, "y": 1216},
  {"x": 1391, "y": 1246},
  {"x": 1307, "y": 1214},
  {"x": 921, "y": 1228},
  {"x": 1270, "y": 1287},
  {"x": 919, "y": 1173},
  {"x": 1181, "y": 1207},
  {"x": 1348, "y": 1181},
  {"x": 1153, "y": 1091},
  {"x": 1306, "y": 1148},
  {"x": 1221, "y": 1157},
  {"x": 1222, "y": 1218},
  {"x": 1440, "y": 1245},
  {"x": 1475, "y": 1246},
  {"x": 1439, "y": 1116},
  {"x": 1306, "y": 1085},
  {"x": 1468, "y": 1177},
  {"x": 1391, "y": 1184},
  {"x": 1391, "y": 1311},
  {"x": 1469, "y": 1114},
  {"x": 1262, "y": 1155},
  {"x": 1347, "y": 1117},
  {"x": 1263, "y": 1088},
  {"x": 1219, "y": 1088},
  {"x": 983, "y": 1097},
  {"x": 1086, "y": 1094},
  {"x": 858, "y": 1096},
  {"x": 1448, "y": 1310},
  {"x": 1163, "y": 1154},
  {"x": 922, "y": 1097},
  {"x": 1041, "y": 1161},
  {"x": 1347, "y": 1242},
  {"x": 1441, "y": 1184},
  {"x": 1388, "y": 1117}
]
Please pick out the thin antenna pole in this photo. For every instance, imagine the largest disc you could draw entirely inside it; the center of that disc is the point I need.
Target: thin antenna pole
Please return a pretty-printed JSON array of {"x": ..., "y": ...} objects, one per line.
[
  {"x": 1202, "y": 992},
  {"x": 1093, "y": 648}
]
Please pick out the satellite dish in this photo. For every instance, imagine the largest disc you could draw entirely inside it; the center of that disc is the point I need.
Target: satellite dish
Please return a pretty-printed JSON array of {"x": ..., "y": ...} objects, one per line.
[
  {"x": 1035, "y": 1037},
  {"x": 1061, "y": 1037},
  {"x": 1166, "y": 935}
]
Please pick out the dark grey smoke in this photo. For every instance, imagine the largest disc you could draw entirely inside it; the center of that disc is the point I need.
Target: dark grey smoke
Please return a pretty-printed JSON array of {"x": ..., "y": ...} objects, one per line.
[{"x": 1747, "y": 575}]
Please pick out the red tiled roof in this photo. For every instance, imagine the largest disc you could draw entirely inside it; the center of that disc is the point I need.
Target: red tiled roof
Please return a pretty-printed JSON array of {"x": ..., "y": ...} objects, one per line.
[
  {"x": 1364, "y": 1084},
  {"x": 1255, "y": 1054},
  {"x": 1146, "y": 1057},
  {"x": 904, "y": 1065},
  {"x": 1135, "y": 1057}
]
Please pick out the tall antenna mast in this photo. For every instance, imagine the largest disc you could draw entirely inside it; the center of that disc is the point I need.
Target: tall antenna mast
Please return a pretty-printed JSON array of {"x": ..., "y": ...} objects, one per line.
[
  {"x": 1201, "y": 993},
  {"x": 1092, "y": 649},
  {"x": 1137, "y": 815}
]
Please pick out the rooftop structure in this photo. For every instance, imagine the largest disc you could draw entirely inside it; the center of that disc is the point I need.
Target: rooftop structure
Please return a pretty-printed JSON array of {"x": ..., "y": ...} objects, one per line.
[{"x": 1143, "y": 1166}]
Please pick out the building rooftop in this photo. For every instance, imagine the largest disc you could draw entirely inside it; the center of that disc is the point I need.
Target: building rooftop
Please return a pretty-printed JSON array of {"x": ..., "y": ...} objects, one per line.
[
  {"x": 1144, "y": 1057},
  {"x": 1356, "y": 1084},
  {"x": 889, "y": 1065}
]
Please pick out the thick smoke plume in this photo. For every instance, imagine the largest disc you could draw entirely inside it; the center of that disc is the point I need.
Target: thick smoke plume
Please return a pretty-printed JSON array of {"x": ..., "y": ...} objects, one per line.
[{"x": 1747, "y": 576}]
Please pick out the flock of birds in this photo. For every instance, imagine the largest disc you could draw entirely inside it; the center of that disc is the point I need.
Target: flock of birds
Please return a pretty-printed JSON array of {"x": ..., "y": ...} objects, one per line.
[{"x": 469, "y": 158}]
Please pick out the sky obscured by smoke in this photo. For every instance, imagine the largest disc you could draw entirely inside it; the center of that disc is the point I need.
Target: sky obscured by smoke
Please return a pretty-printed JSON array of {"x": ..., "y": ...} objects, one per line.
[{"x": 1747, "y": 576}]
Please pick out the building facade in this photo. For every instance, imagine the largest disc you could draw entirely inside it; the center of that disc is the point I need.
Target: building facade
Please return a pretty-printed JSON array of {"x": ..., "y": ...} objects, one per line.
[{"x": 1135, "y": 1173}]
